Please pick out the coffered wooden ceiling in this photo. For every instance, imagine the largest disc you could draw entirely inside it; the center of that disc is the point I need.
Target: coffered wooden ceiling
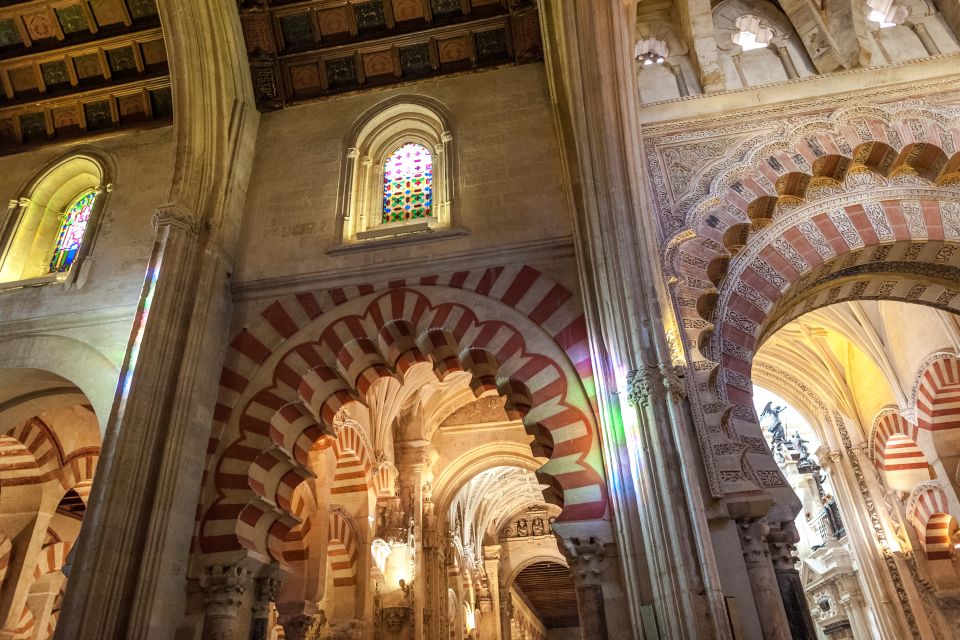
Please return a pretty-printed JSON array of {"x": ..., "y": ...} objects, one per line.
[
  {"x": 308, "y": 49},
  {"x": 71, "y": 68}
]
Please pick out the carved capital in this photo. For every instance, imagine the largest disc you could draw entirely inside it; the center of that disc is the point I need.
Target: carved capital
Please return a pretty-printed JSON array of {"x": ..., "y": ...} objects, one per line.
[
  {"x": 394, "y": 618},
  {"x": 175, "y": 215},
  {"x": 223, "y": 588},
  {"x": 753, "y": 540},
  {"x": 782, "y": 542},
  {"x": 638, "y": 387},
  {"x": 303, "y": 626},
  {"x": 586, "y": 557},
  {"x": 266, "y": 593}
]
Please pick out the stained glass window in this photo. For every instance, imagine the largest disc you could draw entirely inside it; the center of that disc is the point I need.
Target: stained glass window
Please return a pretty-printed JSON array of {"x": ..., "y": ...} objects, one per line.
[
  {"x": 71, "y": 232},
  {"x": 408, "y": 184}
]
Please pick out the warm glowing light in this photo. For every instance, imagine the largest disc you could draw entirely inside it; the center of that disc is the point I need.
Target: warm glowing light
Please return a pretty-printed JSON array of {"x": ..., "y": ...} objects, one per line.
[
  {"x": 880, "y": 19},
  {"x": 380, "y": 551},
  {"x": 470, "y": 618}
]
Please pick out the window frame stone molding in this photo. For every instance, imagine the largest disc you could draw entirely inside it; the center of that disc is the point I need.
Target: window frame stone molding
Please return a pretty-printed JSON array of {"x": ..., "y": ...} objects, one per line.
[
  {"x": 31, "y": 223},
  {"x": 381, "y": 131}
]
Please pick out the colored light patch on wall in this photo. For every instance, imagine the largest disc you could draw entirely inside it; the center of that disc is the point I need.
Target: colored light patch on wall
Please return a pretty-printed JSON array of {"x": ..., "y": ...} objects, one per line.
[
  {"x": 70, "y": 237},
  {"x": 408, "y": 184}
]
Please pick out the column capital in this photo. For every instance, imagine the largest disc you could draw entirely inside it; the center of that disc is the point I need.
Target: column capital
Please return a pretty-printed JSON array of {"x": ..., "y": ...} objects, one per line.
[
  {"x": 753, "y": 539},
  {"x": 176, "y": 215},
  {"x": 303, "y": 626},
  {"x": 782, "y": 542},
  {"x": 223, "y": 588}
]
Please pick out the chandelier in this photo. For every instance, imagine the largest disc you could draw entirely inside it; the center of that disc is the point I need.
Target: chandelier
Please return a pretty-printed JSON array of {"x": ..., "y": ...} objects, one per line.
[{"x": 651, "y": 51}]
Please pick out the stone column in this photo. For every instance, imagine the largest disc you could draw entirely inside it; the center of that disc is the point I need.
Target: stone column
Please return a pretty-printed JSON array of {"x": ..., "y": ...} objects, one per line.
[
  {"x": 681, "y": 83},
  {"x": 763, "y": 580},
  {"x": 144, "y": 502},
  {"x": 589, "y": 559},
  {"x": 266, "y": 594},
  {"x": 491, "y": 621},
  {"x": 787, "y": 62},
  {"x": 223, "y": 589},
  {"x": 653, "y": 492},
  {"x": 853, "y": 606},
  {"x": 921, "y": 30},
  {"x": 782, "y": 542}
]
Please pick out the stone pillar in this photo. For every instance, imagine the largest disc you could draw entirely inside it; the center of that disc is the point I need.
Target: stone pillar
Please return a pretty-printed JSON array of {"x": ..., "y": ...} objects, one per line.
[
  {"x": 506, "y": 614},
  {"x": 491, "y": 627},
  {"x": 143, "y": 507},
  {"x": 223, "y": 589},
  {"x": 590, "y": 563},
  {"x": 681, "y": 83},
  {"x": 921, "y": 30},
  {"x": 782, "y": 542},
  {"x": 266, "y": 594},
  {"x": 853, "y": 606},
  {"x": 653, "y": 491},
  {"x": 763, "y": 580},
  {"x": 787, "y": 62}
]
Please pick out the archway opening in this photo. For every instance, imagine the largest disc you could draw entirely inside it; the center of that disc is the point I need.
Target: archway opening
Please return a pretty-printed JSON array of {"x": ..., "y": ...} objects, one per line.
[
  {"x": 49, "y": 446},
  {"x": 546, "y": 591}
]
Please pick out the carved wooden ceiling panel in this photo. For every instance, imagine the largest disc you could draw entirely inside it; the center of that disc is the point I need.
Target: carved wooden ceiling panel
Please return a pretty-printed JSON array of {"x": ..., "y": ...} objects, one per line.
[
  {"x": 307, "y": 49},
  {"x": 71, "y": 68}
]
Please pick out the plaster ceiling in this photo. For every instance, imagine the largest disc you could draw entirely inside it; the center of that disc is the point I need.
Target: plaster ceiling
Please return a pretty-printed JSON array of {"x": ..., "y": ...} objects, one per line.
[{"x": 74, "y": 68}]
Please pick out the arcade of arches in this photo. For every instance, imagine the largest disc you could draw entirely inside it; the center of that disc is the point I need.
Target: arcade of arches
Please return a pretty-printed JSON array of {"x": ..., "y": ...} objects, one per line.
[{"x": 479, "y": 320}]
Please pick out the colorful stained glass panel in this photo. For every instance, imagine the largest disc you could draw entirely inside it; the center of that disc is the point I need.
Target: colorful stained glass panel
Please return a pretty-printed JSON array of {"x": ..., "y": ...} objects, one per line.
[
  {"x": 70, "y": 237},
  {"x": 408, "y": 184}
]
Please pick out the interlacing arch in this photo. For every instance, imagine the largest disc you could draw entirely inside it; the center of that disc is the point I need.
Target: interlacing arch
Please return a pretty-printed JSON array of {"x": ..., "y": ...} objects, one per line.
[
  {"x": 929, "y": 512},
  {"x": 306, "y": 357},
  {"x": 865, "y": 210},
  {"x": 31, "y": 454},
  {"x": 6, "y": 548}
]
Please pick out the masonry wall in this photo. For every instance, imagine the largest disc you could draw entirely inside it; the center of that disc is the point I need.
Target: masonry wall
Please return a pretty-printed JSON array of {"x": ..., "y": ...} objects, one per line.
[
  {"x": 511, "y": 189},
  {"x": 100, "y": 312}
]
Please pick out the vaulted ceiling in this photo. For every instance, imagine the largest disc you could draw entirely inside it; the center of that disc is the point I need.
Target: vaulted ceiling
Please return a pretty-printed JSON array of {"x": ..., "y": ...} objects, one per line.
[
  {"x": 308, "y": 49},
  {"x": 72, "y": 68}
]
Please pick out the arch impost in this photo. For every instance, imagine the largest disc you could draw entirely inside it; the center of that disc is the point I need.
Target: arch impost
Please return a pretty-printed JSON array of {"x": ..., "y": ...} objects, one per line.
[{"x": 176, "y": 215}]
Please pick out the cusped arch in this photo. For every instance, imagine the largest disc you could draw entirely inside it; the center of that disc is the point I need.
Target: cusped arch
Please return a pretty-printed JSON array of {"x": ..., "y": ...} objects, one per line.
[{"x": 546, "y": 367}]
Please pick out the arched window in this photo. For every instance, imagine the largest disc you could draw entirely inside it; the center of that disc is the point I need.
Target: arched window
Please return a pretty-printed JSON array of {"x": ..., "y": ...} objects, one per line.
[
  {"x": 408, "y": 184},
  {"x": 753, "y": 34},
  {"x": 72, "y": 230},
  {"x": 398, "y": 175},
  {"x": 47, "y": 230}
]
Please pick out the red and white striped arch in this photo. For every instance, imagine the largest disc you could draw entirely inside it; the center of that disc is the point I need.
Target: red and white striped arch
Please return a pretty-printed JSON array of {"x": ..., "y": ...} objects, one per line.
[
  {"x": 890, "y": 429},
  {"x": 938, "y": 395},
  {"x": 929, "y": 512},
  {"x": 342, "y": 549},
  {"x": 52, "y": 558},
  {"x": 856, "y": 212},
  {"x": 306, "y": 356},
  {"x": 6, "y": 549},
  {"x": 30, "y": 453}
]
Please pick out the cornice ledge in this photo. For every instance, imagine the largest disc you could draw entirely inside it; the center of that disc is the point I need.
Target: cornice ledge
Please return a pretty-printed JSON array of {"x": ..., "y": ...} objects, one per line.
[{"x": 536, "y": 251}]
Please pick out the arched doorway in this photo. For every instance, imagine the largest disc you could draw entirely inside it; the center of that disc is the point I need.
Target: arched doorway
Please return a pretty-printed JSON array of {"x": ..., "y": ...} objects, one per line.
[{"x": 49, "y": 447}]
